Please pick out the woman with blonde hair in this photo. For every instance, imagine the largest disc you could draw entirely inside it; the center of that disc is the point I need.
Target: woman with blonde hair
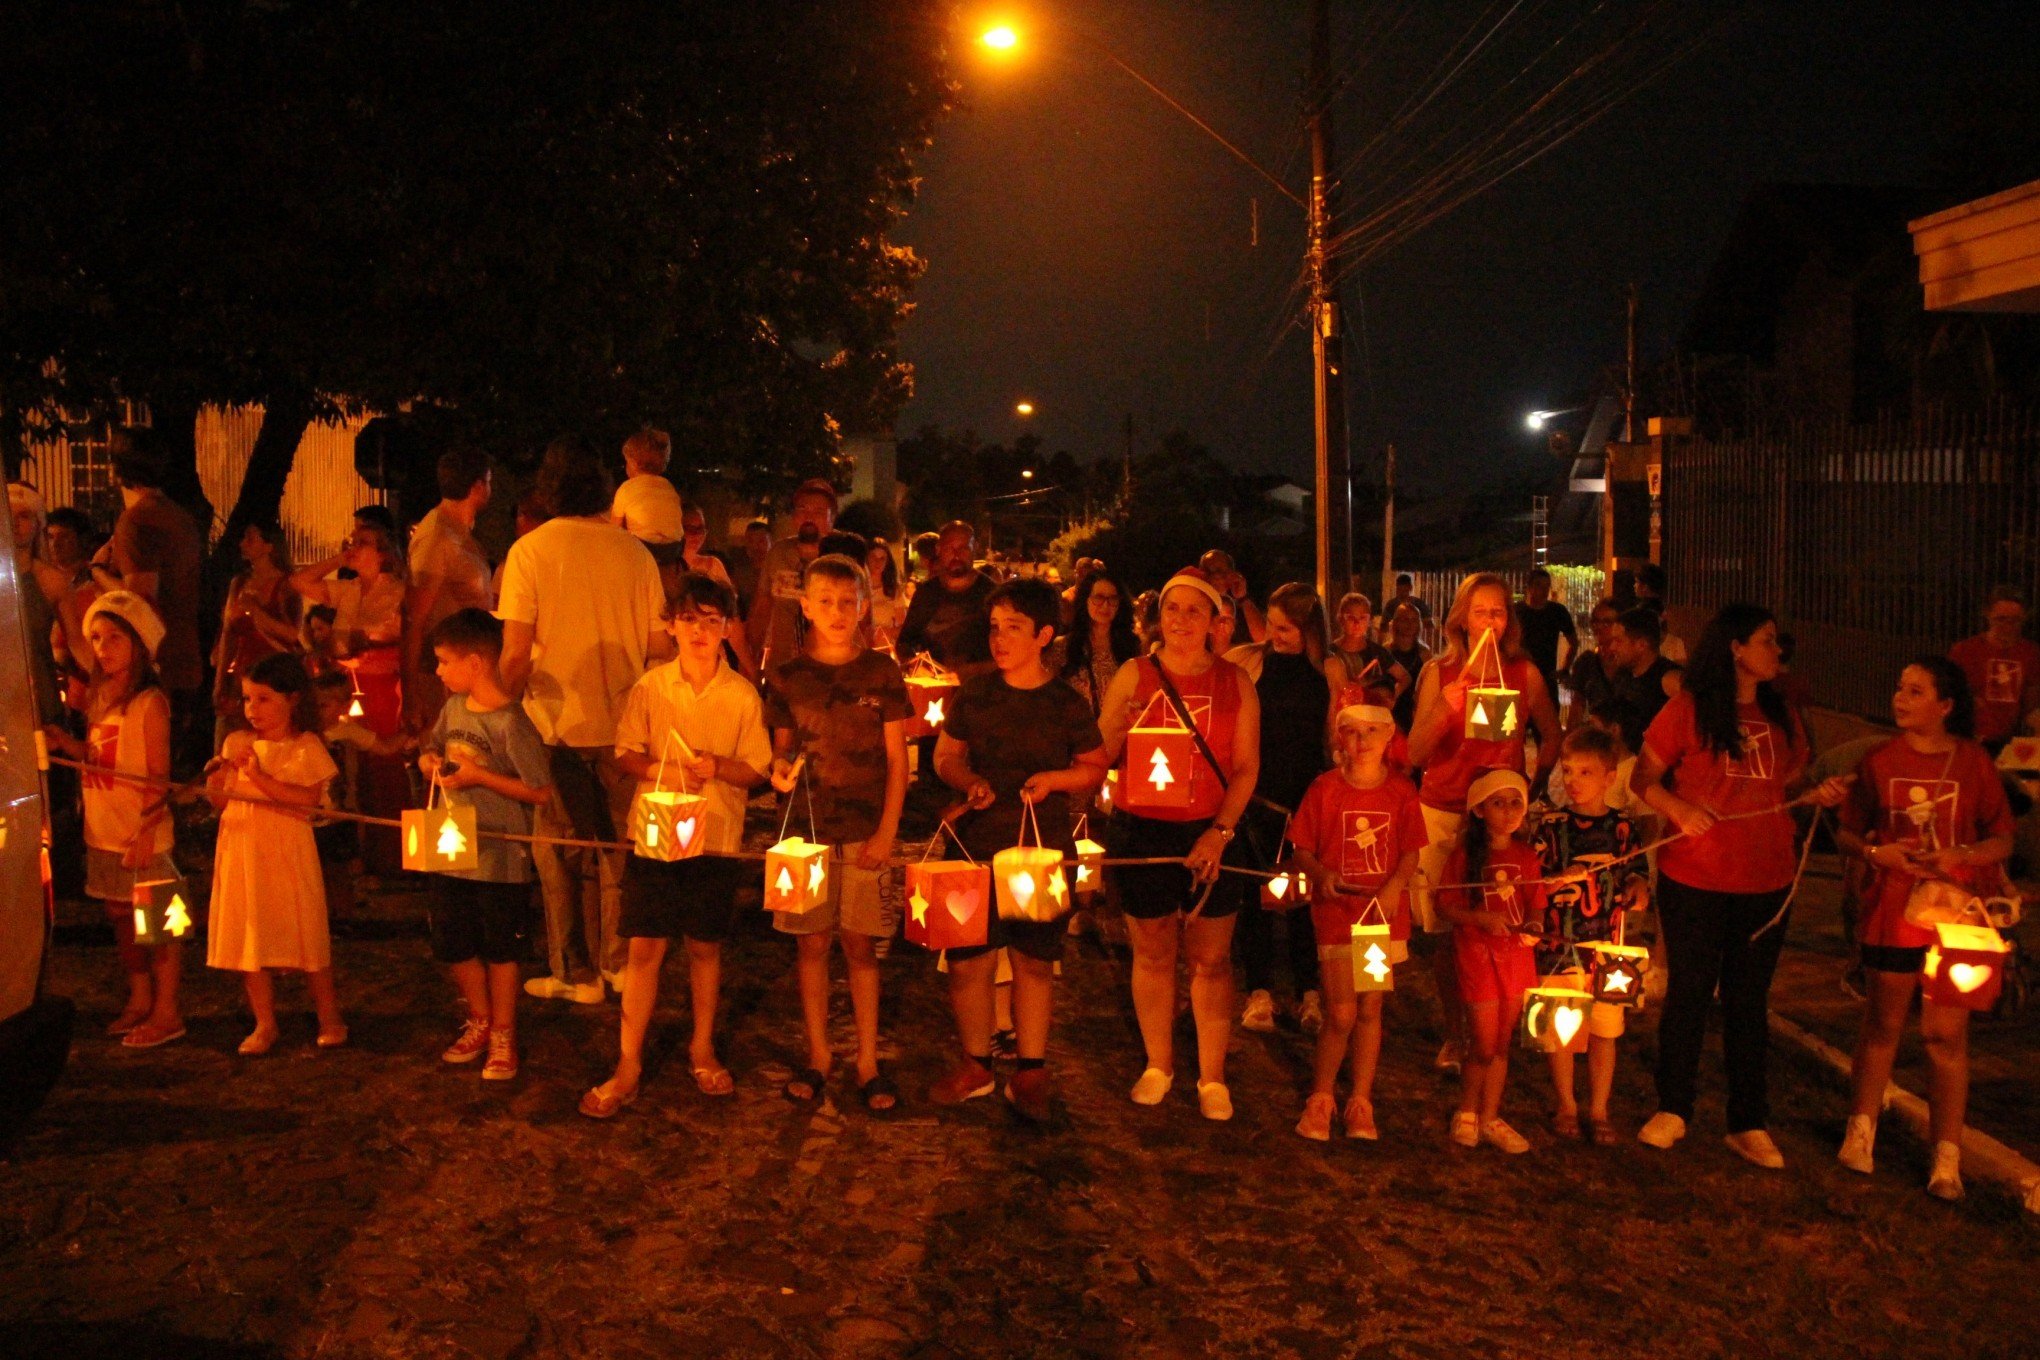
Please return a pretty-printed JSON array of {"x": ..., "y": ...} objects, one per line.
[{"x": 1483, "y": 647}]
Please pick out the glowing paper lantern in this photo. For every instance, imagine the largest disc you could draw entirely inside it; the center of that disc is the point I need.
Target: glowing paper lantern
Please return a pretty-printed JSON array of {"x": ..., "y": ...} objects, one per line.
[
  {"x": 1087, "y": 875},
  {"x": 1372, "y": 970},
  {"x": 1160, "y": 757},
  {"x": 930, "y": 689},
  {"x": 1620, "y": 973},
  {"x": 162, "y": 911},
  {"x": 440, "y": 839},
  {"x": 1108, "y": 791},
  {"x": 1965, "y": 966},
  {"x": 1028, "y": 879},
  {"x": 1555, "y": 1020},
  {"x": 1287, "y": 890},
  {"x": 948, "y": 903},
  {"x": 796, "y": 876},
  {"x": 667, "y": 825},
  {"x": 1494, "y": 712}
]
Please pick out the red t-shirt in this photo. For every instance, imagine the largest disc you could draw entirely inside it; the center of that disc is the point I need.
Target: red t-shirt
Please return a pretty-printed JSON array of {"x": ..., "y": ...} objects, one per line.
[
  {"x": 1213, "y": 699},
  {"x": 1520, "y": 905},
  {"x": 1902, "y": 797},
  {"x": 1360, "y": 835},
  {"x": 1998, "y": 677},
  {"x": 1749, "y": 855},
  {"x": 1456, "y": 760}
]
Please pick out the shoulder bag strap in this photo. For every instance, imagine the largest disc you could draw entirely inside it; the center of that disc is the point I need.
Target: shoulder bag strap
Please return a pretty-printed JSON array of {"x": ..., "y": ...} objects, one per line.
[{"x": 1183, "y": 715}]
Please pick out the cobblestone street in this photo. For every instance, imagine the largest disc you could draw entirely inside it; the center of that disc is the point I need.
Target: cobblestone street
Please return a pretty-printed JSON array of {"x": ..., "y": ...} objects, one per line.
[{"x": 372, "y": 1201}]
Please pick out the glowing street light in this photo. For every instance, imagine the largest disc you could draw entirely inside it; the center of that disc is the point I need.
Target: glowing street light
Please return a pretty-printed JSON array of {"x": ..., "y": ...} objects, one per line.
[
  {"x": 1000, "y": 38},
  {"x": 1026, "y": 474},
  {"x": 1537, "y": 420},
  {"x": 1024, "y": 408}
]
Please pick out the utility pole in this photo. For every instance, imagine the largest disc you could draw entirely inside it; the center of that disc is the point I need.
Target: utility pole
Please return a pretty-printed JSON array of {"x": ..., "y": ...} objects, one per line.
[
  {"x": 1629, "y": 379},
  {"x": 1388, "y": 530},
  {"x": 1326, "y": 335}
]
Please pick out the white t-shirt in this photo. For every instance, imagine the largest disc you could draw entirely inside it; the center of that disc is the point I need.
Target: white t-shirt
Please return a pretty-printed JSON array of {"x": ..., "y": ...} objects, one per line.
[
  {"x": 726, "y": 719},
  {"x": 591, "y": 593},
  {"x": 649, "y": 507},
  {"x": 446, "y": 556}
]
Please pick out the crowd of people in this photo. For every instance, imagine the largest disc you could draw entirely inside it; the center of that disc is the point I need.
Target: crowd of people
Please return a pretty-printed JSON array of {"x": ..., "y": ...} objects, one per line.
[{"x": 612, "y": 657}]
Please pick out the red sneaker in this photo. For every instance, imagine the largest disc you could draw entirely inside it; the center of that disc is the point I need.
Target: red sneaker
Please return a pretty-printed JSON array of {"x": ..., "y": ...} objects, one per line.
[
  {"x": 968, "y": 1080},
  {"x": 1028, "y": 1093},
  {"x": 472, "y": 1043},
  {"x": 502, "y": 1063}
]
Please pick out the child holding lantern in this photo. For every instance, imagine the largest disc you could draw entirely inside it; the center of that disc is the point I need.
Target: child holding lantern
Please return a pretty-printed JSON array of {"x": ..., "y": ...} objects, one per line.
[
  {"x": 1587, "y": 834},
  {"x": 1357, "y": 832},
  {"x": 268, "y": 895},
  {"x": 484, "y": 753},
  {"x": 837, "y": 713},
  {"x": 696, "y": 725},
  {"x": 128, "y": 832},
  {"x": 1927, "y": 804},
  {"x": 1019, "y": 745},
  {"x": 1495, "y": 964}
]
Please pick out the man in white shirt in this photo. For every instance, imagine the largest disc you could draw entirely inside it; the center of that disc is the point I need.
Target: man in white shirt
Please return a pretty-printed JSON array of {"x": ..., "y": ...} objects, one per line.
[
  {"x": 449, "y": 573},
  {"x": 581, "y": 613},
  {"x": 646, "y": 503}
]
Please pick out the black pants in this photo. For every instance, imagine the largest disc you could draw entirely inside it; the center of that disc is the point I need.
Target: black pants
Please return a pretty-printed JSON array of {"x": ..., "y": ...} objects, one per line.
[{"x": 1708, "y": 945}]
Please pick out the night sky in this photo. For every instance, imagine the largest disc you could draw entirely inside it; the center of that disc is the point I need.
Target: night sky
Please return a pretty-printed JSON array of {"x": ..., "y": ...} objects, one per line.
[{"x": 1089, "y": 250}]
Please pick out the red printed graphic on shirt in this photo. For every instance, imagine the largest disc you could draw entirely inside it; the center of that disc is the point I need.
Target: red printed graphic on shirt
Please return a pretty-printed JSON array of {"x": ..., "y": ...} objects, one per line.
[
  {"x": 1759, "y": 759},
  {"x": 1364, "y": 840},
  {"x": 2004, "y": 681},
  {"x": 102, "y": 741}
]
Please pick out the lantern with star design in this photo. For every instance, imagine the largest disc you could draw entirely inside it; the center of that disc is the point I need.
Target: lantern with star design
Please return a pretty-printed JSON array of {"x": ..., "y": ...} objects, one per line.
[
  {"x": 669, "y": 824},
  {"x": 1087, "y": 875},
  {"x": 796, "y": 876},
  {"x": 948, "y": 900},
  {"x": 440, "y": 839},
  {"x": 930, "y": 688},
  {"x": 162, "y": 910},
  {"x": 1028, "y": 879},
  {"x": 1965, "y": 966},
  {"x": 1555, "y": 1020},
  {"x": 1159, "y": 756},
  {"x": 1619, "y": 973},
  {"x": 1494, "y": 712},
  {"x": 1373, "y": 966},
  {"x": 1108, "y": 792}
]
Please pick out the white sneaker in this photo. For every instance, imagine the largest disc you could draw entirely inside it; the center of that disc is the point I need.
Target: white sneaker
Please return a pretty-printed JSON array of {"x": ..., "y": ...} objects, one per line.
[
  {"x": 1945, "y": 1180},
  {"x": 1466, "y": 1128},
  {"x": 614, "y": 981},
  {"x": 555, "y": 989},
  {"x": 1153, "y": 1087},
  {"x": 1859, "y": 1142},
  {"x": 1214, "y": 1101},
  {"x": 1662, "y": 1130},
  {"x": 1310, "y": 1013},
  {"x": 1499, "y": 1134},
  {"x": 1450, "y": 1059},
  {"x": 1755, "y": 1147},
  {"x": 1260, "y": 1013}
]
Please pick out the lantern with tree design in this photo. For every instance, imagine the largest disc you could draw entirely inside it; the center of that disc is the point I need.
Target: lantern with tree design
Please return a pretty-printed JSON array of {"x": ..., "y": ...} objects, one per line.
[
  {"x": 1965, "y": 966},
  {"x": 1160, "y": 752},
  {"x": 440, "y": 837},
  {"x": 1494, "y": 712},
  {"x": 1373, "y": 946},
  {"x": 1555, "y": 1019},
  {"x": 949, "y": 901},
  {"x": 162, "y": 910},
  {"x": 796, "y": 870}
]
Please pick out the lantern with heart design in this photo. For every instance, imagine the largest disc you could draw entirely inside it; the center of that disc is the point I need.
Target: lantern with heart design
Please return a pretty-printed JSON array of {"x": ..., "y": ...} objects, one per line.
[
  {"x": 440, "y": 838},
  {"x": 162, "y": 911},
  {"x": 669, "y": 824},
  {"x": 1965, "y": 966},
  {"x": 1373, "y": 968},
  {"x": 1088, "y": 873},
  {"x": 1160, "y": 752},
  {"x": 796, "y": 870},
  {"x": 1494, "y": 712},
  {"x": 1555, "y": 1019},
  {"x": 1028, "y": 879},
  {"x": 948, "y": 900},
  {"x": 931, "y": 689}
]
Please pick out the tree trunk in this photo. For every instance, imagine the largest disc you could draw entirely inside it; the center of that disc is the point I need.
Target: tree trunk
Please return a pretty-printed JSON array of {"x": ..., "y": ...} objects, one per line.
[{"x": 285, "y": 416}]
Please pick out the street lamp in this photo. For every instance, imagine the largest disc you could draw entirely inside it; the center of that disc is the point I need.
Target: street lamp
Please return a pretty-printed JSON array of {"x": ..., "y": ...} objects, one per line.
[
  {"x": 1537, "y": 420},
  {"x": 1026, "y": 474},
  {"x": 1000, "y": 38},
  {"x": 1024, "y": 408}
]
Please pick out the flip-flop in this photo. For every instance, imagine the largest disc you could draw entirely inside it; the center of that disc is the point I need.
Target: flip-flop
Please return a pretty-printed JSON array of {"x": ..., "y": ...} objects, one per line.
[
  {"x": 1602, "y": 1131},
  {"x": 1565, "y": 1125},
  {"x": 149, "y": 1036},
  {"x": 807, "y": 1076},
  {"x": 126, "y": 1023},
  {"x": 880, "y": 1085},
  {"x": 333, "y": 1039},
  {"x": 598, "y": 1106},
  {"x": 715, "y": 1081}
]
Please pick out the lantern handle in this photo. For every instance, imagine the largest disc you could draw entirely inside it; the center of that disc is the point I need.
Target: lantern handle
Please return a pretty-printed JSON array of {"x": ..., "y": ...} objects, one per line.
[
  {"x": 1027, "y": 819},
  {"x": 686, "y": 754},
  {"x": 433, "y": 791},
  {"x": 785, "y": 819},
  {"x": 1374, "y": 901},
  {"x": 942, "y": 825},
  {"x": 1487, "y": 642}
]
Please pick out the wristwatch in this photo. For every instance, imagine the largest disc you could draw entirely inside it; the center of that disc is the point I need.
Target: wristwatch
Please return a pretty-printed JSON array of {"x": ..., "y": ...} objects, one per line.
[{"x": 1224, "y": 831}]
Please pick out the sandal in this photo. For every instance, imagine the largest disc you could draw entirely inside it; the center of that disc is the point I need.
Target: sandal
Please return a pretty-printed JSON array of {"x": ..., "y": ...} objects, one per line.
[
  {"x": 127, "y": 1022},
  {"x": 1566, "y": 1123},
  {"x": 715, "y": 1081},
  {"x": 333, "y": 1038},
  {"x": 804, "y": 1086},
  {"x": 598, "y": 1106},
  {"x": 258, "y": 1043},
  {"x": 1602, "y": 1132},
  {"x": 149, "y": 1035},
  {"x": 880, "y": 1088}
]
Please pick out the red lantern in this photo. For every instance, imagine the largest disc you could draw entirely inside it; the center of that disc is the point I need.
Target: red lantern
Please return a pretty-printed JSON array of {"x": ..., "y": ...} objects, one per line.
[
  {"x": 1965, "y": 966},
  {"x": 948, "y": 900},
  {"x": 1160, "y": 756},
  {"x": 930, "y": 689}
]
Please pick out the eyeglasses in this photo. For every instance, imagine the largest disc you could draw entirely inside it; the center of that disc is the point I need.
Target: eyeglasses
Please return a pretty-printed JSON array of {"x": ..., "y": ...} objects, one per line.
[
  {"x": 1109, "y": 597},
  {"x": 700, "y": 620}
]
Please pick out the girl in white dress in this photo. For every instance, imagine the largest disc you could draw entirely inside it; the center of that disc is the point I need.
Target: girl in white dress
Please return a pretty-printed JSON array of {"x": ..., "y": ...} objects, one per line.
[{"x": 269, "y": 896}]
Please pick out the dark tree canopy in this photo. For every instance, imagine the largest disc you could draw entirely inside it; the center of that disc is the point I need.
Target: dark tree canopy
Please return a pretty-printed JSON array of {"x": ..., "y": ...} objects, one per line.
[{"x": 545, "y": 217}]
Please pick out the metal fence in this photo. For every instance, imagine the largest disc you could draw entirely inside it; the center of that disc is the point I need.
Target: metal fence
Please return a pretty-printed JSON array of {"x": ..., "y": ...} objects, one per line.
[
  {"x": 1872, "y": 543},
  {"x": 1577, "y": 588}
]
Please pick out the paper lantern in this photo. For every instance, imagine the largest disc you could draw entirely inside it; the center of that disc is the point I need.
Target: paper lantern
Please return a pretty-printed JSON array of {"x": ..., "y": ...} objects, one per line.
[
  {"x": 796, "y": 876},
  {"x": 1620, "y": 973},
  {"x": 668, "y": 825},
  {"x": 1029, "y": 884},
  {"x": 1286, "y": 891},
  {"x": 948, "y": 904},
  {"x": 1160, "y": 755},
  {"x": 1087, "y": 875},
  {"x": 1493, "y": 713},
  {"x": 1965, "y": 966},
  {"x": 930, "y": 690},
  {"x": 1108, "y": 791},
  {"x": 162, "y": 911},
  {"x": 1372, "y": 970},
  {"x": 1555, "y": 1019},
  {"x": 440, "y": 839}
]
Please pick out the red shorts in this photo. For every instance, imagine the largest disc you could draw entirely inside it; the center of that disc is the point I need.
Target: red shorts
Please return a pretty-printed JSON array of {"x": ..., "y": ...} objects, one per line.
[{"x": 1491, "y": 973}]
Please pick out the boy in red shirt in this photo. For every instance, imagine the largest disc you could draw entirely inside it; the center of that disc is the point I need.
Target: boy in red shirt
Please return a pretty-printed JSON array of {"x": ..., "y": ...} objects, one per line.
[{"x": 1357, "y": 833}]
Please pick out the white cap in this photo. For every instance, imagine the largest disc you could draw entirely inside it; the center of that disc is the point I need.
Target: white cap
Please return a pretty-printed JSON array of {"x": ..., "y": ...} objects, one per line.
[{"x": 1355, "y": 714}]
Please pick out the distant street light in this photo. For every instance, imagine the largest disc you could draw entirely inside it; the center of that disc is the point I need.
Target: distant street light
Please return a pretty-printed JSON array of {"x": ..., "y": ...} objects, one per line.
[
  {"x": 1025, "y": 408},
  {"x": 1026, "y": 474},
  {"x": 1000, "y": 38},
  {"x": 1536, "y": 420}
]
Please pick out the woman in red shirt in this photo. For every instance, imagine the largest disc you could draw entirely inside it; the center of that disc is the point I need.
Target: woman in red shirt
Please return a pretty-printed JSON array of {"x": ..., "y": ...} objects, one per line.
[
  {"x": 1719, "y": 763},
  {"x": 1927, "y": 803},
  {"x": 1171, "y": 906}
]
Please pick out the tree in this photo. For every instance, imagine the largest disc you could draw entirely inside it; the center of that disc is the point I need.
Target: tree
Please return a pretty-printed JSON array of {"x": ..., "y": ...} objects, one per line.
[{"x": 536, "y": 217}]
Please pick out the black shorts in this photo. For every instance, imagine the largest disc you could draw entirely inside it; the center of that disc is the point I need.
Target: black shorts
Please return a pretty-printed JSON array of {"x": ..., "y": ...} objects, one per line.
[
  {"x": 1041, "y": 940},
  {"x": 1891, "y": 958},
  {"x": 1148, "y": 892},
  {"x": 695, "y": 898},
  {"x": 472, "y": 920}
]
